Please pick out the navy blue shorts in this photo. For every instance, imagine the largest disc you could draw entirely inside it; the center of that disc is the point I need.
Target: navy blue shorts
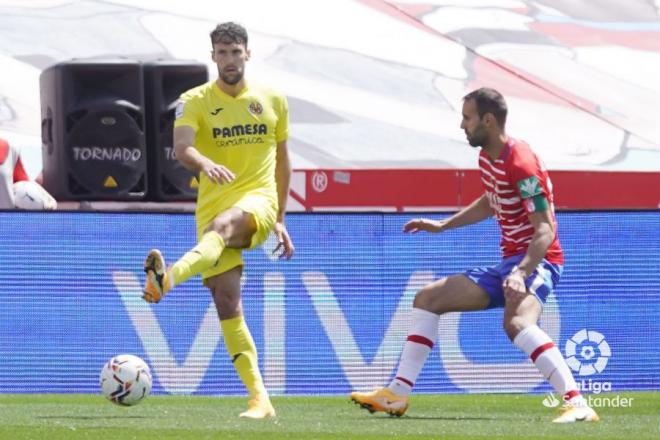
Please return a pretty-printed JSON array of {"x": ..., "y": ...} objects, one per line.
[{"x": 540, "y": 283}]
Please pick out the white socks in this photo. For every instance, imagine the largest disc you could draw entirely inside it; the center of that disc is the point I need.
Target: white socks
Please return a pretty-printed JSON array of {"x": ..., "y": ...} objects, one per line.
[
  {"x": 421, "y": 337},
  {"x": 548, "y": 359},
  {"x": 532, "y": 340}
]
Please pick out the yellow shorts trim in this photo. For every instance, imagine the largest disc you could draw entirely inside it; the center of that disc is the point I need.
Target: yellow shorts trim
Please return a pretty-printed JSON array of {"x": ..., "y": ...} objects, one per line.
[{"x": 264, "y": 210}]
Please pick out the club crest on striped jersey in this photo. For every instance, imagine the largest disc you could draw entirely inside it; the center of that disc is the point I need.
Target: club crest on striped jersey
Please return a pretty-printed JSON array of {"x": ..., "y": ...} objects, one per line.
[{"x": 529, "y": 187}]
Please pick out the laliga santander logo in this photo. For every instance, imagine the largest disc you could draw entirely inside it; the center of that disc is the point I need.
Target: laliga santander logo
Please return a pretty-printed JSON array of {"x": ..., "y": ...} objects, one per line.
[{"x": 587, "y": 353}]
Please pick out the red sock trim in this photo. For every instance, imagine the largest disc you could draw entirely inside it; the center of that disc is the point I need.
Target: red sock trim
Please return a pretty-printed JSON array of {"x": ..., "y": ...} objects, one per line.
[
  {"x": 421, "y": 340},
  {"x": 568, "y": 396},
  {"x": 404, "y": 380},
  {"x": 539, "y": 350}
]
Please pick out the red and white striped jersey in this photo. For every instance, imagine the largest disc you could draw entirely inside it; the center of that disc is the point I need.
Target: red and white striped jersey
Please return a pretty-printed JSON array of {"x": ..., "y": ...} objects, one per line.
[
  {"x": 510, "y": 183},
  {"x": 11, "y": 171}
]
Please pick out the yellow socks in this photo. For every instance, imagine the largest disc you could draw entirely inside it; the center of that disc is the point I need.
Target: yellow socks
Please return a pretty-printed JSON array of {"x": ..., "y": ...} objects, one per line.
[
  {"x": 238, "y": 339},
  {"x": 243, "y": 352},
  {"x": 203, "y": 256}
]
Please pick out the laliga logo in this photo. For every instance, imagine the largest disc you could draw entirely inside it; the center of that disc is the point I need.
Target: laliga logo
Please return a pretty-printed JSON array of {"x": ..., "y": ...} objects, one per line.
[
  {"x": 587, "y": 353},
  {"x": 593, "y": 353}
]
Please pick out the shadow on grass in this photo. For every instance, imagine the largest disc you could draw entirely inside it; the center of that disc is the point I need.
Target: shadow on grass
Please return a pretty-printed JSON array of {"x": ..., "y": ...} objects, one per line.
[
  {"x": 458, "y": 419},
  {"x": 93, "y": 417}
]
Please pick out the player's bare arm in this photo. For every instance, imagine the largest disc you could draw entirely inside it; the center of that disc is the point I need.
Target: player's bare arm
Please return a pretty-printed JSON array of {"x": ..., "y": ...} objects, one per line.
[
  {"x": 190, "y": 158},
  {"x": 544, "y": 233},
  {"x": 283, "y": 179},
  {"x": 473, "y": 213}
]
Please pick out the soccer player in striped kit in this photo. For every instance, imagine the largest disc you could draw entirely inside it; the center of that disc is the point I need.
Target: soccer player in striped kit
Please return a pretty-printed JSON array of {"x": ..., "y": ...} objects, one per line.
[{"x": 518, "y": 192}]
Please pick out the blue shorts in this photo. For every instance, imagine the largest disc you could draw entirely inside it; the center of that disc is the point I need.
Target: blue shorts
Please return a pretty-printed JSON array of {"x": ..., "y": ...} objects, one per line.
[{"x": 540, "y": 283}]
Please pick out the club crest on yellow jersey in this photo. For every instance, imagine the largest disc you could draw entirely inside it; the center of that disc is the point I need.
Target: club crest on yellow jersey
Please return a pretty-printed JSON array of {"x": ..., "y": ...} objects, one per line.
[{"x": 255, "y": 108}]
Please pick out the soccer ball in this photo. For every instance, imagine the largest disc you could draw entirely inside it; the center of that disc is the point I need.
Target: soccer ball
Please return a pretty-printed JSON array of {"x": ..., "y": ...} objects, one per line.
[
  {"x": 32, "y": 196},
  {"x": 125, "y": 380}
]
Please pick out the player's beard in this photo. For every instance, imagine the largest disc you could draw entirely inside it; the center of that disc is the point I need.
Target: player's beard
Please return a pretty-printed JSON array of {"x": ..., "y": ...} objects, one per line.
[
  {"x": 231, "y": 78},
  {"x": 479, "y": 136}
]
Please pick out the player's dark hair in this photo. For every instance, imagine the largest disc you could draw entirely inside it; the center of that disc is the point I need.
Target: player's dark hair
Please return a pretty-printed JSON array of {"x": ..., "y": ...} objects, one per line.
[
  {"x": 489, "y": 101},
  {"x": 229, "y": 33}
]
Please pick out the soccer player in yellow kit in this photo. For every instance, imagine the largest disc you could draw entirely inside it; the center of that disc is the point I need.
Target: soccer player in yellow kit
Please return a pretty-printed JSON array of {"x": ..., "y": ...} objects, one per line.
[{"x": 234, "y": 134}]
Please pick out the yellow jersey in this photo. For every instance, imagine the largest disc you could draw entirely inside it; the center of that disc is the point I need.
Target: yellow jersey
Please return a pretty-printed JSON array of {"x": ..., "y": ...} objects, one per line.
[{"x": 240, "y": 133}]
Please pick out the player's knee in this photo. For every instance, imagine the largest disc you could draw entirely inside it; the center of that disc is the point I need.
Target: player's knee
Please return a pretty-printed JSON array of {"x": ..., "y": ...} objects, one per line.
[
  {"x": 421, "y": 300},
  {"x": 226, "y": 302},
  {"x": 236, "y": 234},
  {"x": 514, "y": 325},
  {"x": 430, "y": 298},
  {"x": 222, "y": 226}
]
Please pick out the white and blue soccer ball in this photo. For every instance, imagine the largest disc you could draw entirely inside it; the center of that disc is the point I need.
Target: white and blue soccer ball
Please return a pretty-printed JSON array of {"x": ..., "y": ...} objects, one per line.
[{"x": 125, "y": 380}]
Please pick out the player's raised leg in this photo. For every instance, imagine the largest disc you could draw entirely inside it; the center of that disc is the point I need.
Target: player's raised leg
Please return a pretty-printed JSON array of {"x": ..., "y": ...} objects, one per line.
[
  {"x": 226, "y": 292},
  {"x": 232, "y": 228},
  {"x": 161, "y": 280},
  {"x": 520, "y": 318},
  {"x": 453, "y": 294}
]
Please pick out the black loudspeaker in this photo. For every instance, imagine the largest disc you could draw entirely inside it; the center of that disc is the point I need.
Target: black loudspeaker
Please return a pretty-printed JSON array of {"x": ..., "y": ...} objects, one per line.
[
  {"x": 164, "y": 82},
  {"x": 92, "y": 129}
]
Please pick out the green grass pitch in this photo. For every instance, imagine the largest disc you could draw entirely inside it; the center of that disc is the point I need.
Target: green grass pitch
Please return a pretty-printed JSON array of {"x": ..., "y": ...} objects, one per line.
[{"x": 493, "y": 416}]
